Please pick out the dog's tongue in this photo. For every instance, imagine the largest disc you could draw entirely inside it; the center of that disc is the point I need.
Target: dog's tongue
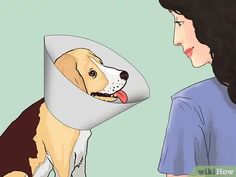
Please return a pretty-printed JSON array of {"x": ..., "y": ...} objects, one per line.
[{"x": 122, "y": 96}]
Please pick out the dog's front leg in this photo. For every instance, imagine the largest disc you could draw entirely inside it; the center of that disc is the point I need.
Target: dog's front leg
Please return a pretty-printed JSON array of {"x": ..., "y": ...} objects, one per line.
[
  {"x": 80, "y": 170},
  {"x": 80, "y": 154}
]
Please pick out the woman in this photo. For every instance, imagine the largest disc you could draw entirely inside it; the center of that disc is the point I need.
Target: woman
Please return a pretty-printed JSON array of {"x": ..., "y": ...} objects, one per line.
[{"x": 202, "y": 124}]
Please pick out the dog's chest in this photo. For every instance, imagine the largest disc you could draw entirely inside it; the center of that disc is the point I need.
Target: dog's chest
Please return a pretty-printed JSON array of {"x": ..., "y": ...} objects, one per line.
[
  {"x": 80, "y": 148},
  {"x": 77, "y": 158}
]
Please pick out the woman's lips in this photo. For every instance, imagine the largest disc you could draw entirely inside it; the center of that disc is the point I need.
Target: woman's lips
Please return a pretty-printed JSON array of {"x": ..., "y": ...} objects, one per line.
[{"x": 189, "y": 52}]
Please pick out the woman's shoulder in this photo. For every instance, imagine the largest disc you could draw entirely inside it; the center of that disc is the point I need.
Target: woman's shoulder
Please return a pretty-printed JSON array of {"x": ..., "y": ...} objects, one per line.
[
  {"x": 201, "y": 99},
  {"x": 202, "y": 91}
]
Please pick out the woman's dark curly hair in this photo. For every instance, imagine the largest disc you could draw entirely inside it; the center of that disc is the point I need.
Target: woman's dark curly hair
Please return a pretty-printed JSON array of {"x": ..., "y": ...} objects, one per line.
[{"x": 215, "y": 26}]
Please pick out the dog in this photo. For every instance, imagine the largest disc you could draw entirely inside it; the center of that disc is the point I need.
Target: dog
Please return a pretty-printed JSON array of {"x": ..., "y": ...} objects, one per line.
[{"x": 36, "y": 142}]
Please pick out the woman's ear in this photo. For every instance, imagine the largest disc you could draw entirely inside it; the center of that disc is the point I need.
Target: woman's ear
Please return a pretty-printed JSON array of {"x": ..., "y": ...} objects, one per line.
[{"x": 68, "y": 67}]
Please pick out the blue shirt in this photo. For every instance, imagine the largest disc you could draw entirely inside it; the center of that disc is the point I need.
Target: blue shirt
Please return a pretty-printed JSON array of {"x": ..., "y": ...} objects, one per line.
[{"x": 201, "y": 130}]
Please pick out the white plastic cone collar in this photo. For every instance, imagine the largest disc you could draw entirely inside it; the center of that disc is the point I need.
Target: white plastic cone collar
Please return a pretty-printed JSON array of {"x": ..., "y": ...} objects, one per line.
[{"x": 72, "y": 106}]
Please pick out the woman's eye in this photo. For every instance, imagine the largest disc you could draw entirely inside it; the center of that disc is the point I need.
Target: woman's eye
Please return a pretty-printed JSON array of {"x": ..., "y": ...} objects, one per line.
[
  {"x": 93, "y": 73},
  {"x": 180, "y": 23}
]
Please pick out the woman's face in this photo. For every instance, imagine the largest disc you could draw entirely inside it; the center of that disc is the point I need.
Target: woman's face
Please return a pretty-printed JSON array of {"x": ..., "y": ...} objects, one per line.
[{"x": 185, "y": 36}]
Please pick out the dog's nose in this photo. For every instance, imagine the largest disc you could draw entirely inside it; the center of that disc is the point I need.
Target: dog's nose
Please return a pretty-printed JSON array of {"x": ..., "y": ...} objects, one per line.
[{"x": 124, "y": 75}]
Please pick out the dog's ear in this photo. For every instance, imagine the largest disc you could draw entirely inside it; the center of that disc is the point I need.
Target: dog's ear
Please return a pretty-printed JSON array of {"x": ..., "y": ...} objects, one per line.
[{"x": 68, "y": 67}]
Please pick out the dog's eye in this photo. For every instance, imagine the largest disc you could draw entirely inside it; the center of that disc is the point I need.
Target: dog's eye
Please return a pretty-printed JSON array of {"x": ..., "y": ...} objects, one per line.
[{"x": 93, "y": 73}]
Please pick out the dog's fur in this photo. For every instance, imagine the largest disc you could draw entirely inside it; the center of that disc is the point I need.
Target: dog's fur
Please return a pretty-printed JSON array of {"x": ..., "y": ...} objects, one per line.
[{"x": 37, "y": 143}]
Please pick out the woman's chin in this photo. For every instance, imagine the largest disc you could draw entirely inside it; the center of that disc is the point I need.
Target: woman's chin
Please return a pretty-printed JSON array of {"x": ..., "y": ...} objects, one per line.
[{"x": 198, "y": 64}]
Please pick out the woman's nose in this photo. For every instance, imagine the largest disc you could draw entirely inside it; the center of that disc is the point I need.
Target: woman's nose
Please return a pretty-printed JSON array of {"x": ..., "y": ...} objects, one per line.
[
  {"x": 177, "y": 42},
  {"x": 177, "y": 38}
]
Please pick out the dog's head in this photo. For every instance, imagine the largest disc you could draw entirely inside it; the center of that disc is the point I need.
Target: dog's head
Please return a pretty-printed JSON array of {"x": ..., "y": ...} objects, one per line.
[{"x": 86, "y": 70}]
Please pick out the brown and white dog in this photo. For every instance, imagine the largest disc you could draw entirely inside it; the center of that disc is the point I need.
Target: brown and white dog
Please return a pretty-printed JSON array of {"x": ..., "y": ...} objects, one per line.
[{"x": 36, "y": 142}]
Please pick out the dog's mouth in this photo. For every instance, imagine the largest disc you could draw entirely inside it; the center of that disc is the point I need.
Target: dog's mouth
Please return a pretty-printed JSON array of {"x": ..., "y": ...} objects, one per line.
[
  {"x": 103, "y": 94},
  {"x": 111, "y": 97}
]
